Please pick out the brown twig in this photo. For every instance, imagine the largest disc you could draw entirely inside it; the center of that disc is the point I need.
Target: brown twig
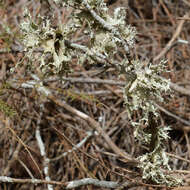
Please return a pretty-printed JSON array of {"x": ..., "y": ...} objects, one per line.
[
  {"x": 179, "y": 89},
  {"x": 95, "y": 125},
  {"x": 173, "y": 115},
  {"x": 174, "y": 37}
]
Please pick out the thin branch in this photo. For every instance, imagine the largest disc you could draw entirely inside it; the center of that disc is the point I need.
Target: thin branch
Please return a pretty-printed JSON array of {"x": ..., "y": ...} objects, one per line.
[
  {"x": 20, "y": 141},
  {"x": 6, "y": 179},
  {"x": 179, "y": 89},
  {"x": 89, "y": 134},
  {"x": 93, "y": 124},
  {"x": 178, "y": 157},
  {"x": 96, "y": 126},
  {"x": 93, "y": 80},
  {"x": 90, "y": 181},
  {"x": 186, "y": 2},
  {"x": 26, "y": 168},
  {"x": 174, "y": 37},
  {"x": 43, "y": 154},
  {"x": 77, "y": 183},
  {"x": 119, "y": 83},
  {"x": 95, "y": 56},
  {"x": 106, "y": 25},
  {"x": 173, "y": 115},
  {"x": 67, "y": 185}
]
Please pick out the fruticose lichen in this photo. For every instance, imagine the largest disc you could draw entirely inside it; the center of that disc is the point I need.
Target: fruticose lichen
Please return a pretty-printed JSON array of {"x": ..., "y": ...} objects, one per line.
[{"x": 106, "y": 35}]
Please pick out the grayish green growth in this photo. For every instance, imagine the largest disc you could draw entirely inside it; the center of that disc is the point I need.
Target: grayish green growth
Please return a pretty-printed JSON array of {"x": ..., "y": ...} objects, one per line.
[
  {"x": 144, "y": 86},
  {"x": 107, "y": 35}
]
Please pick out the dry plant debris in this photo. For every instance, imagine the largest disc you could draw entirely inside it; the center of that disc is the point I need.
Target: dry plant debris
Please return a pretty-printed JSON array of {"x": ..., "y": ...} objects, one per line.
[{"x": 90, "y": 96}]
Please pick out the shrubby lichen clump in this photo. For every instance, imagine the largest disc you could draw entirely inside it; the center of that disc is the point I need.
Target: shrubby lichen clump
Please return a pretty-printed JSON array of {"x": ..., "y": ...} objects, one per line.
[{"x": 107, "y": 35}]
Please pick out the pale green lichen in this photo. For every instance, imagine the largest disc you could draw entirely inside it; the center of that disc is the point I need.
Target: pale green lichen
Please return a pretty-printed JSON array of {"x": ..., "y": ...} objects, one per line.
[
  {"x": 43, "y": 36},
  {"x": 144, "y": 86},
  {"x": 107, "y": 34}
]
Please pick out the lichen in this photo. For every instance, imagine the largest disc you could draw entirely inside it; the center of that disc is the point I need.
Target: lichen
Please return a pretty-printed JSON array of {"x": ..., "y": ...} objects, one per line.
[{"x": 107, "y": 35}]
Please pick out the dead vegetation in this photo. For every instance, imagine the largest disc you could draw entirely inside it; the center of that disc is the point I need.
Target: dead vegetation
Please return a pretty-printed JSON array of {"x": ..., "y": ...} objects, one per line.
[{"x": 82, "y": 122}]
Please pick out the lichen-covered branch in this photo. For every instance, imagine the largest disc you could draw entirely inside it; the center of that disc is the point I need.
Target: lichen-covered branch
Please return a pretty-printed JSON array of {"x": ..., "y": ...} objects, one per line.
[{"x": 106, "y": 35}]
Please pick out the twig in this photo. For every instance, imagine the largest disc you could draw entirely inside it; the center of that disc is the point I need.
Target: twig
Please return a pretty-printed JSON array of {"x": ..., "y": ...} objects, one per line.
[
  {"x": 90, "y": 181},
  {"x": 95, "y": 125},
  {"x": 174, "y": 37},
  {"x": 89, "y": 134},
  {"x": 181, "y": 18},
  {"x": 43, "y": 154},
  {"x": 120, "y": 83},
  {"x": 67, "y": 185},
  {"x": 6, "y": 179},
  {"x": 26, "y": 168},
  {"x": 93, "y": 80},
  {"x": 37, "y": 84},
  {"x": 95, "y": 56},
  {"x": 41, "y": 88},
  {"x": 173, "y": 115},
  {"x": 186, "y": 2},
  {"x": 187, "y": 142},
  {"x": 179, "y": 89},
  {"x": 16, "y": 152},
  {"x": 178, "y": 157},
  {"x": 20, "y": 141},
  {"x": 77, "y": 183},
  {"x": 106, "y": 25}
]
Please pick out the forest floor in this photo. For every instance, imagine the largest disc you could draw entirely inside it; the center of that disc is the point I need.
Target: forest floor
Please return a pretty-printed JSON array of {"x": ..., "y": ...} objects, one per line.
[{"x": 74, "y": 150}]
